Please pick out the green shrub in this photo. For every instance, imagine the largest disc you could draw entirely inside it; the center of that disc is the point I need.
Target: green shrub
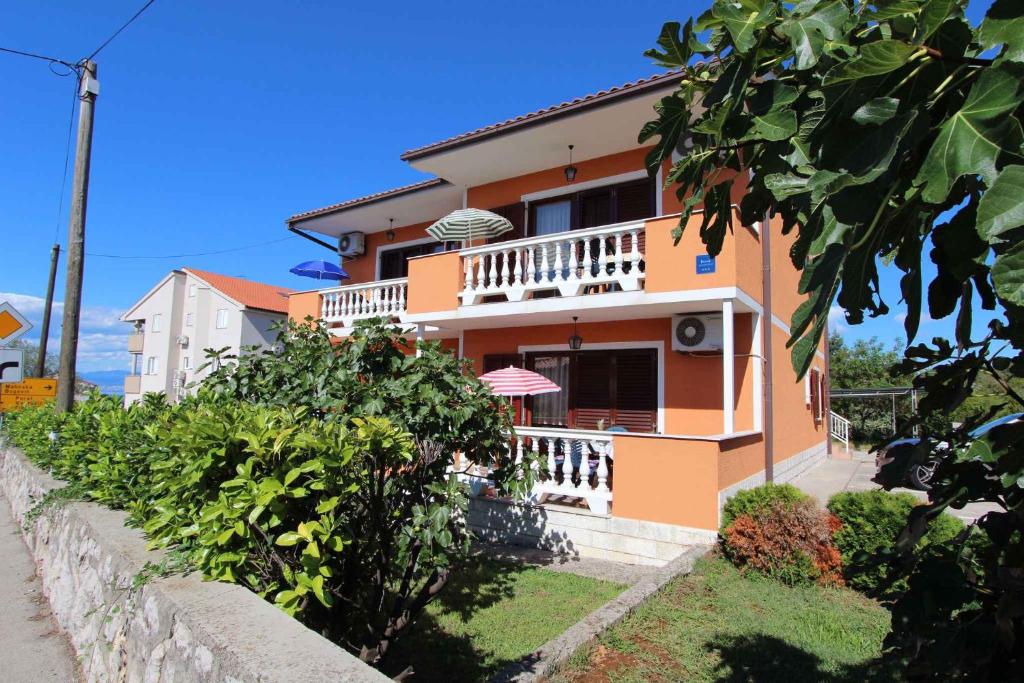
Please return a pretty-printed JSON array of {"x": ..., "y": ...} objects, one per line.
[
  {"x": 751, "y": 501},
  {"x": 872, "y": 520},
  {"x": 30, "y": 429}
]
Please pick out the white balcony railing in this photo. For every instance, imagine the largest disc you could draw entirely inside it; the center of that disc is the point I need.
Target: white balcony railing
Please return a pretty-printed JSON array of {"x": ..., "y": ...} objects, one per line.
[
  {"x": 568, "y": 463},
  {"x": 345, "y": 305},
  {"x": 569, "y": 262}
]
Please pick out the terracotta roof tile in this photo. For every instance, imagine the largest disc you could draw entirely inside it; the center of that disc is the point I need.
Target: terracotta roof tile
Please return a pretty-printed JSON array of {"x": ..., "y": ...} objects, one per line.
[
  {"x": 619, "y": 90},
  {"x": 246, "y": 292},
  {"x": 405, "y": 189}
]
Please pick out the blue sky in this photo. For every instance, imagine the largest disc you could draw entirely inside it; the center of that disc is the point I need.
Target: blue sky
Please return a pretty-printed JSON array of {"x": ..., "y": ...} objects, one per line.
[{"x": 217, "y": 120}]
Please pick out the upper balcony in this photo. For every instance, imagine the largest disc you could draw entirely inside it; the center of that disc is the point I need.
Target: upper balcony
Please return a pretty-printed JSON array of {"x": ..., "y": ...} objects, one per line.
[{"x": 622, "y": 269}]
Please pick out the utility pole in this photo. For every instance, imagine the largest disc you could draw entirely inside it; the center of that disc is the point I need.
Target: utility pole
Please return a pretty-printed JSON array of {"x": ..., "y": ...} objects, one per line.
[
  {"x": 44, "y": 335},
  {"x": 88, "y": 90}
]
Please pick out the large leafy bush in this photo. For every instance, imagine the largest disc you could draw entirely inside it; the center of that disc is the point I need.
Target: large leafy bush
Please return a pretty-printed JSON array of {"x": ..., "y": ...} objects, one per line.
[
  {"x": 872, "y": 521},
  {"x": 322, "y": 476}
]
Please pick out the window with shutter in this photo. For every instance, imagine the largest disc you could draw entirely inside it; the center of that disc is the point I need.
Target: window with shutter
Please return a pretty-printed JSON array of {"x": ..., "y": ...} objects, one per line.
[
  {"x": 592, "y": 208},
  {"x": 815, "y": 383},
  {"x": 614, "y": 387},
  {"x": 516, "y": 215},
  {"x": 497, "y": 361}
]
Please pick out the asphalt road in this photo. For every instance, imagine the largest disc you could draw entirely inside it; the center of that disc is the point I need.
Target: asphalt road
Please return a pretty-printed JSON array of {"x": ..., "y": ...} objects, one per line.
[{"x": 32, "y": 647}]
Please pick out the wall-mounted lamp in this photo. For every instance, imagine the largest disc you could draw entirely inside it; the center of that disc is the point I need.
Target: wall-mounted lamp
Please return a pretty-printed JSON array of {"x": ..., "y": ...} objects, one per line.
[
  {"x": 390, "y": 234},
  {"x": 575, "y": 341},
  {"x": 570, "y": 170}
]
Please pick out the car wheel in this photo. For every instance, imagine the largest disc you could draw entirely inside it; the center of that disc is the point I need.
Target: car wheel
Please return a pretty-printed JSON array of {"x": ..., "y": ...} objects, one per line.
[{"x": 921, "y": 476}]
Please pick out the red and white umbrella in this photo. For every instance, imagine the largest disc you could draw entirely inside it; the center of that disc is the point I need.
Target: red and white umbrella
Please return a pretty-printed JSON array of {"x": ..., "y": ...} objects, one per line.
[{"x": 512, "y": 381}]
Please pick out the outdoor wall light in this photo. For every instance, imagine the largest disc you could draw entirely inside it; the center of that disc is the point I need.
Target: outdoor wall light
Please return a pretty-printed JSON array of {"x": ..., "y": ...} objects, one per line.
[
  {"x": 570, "y": 170},
  {"x": 390, "y": 234},
  {"x": 575, "y": 341}
]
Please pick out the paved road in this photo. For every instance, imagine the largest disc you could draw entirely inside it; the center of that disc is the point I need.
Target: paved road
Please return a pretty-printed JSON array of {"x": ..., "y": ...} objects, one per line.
[
  {"x": 833, "y": 476},
  {"x": 32, "y": 648}
]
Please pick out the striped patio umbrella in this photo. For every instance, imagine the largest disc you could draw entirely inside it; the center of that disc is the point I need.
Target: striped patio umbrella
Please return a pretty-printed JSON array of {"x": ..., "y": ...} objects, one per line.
[
  {"x": 512, "y": 381},
  {"x": 465, "y": 224}
]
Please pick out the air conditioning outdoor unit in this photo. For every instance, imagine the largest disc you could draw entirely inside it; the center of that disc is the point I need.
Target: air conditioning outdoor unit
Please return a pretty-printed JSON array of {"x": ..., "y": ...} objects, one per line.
[
  {"x": 183, "y": 341},
  {"x": 352, "y": 244},
  {"x": 697, "y": 332}
]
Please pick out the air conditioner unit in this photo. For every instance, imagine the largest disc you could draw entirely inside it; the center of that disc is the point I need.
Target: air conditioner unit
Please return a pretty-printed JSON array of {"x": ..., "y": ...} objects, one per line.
[
  {"x": 352, "y": 244},
  {"x": 697, "y": 332},
  {"x": 183, "y": 341},
  {"x": 179, "y": 379}
]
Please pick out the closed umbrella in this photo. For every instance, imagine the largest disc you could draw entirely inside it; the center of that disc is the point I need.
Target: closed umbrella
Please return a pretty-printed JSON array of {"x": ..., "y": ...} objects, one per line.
[
  {"x": 465, "y": 224},
  {"x": 320, "y": 269}
]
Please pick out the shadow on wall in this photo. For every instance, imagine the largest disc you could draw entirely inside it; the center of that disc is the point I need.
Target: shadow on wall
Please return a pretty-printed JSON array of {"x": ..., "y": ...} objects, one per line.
[{"x": 500, "y": 521}]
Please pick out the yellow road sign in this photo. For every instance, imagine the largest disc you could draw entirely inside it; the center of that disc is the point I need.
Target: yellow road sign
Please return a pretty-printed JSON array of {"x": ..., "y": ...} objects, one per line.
[
  {"x": 12, "y": 323},
  {"x": 33, "y": 391}
]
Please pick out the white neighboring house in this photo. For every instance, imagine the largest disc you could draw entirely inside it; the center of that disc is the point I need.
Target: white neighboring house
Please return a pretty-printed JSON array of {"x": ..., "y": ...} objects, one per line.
[{"x": 187, "y": 312}]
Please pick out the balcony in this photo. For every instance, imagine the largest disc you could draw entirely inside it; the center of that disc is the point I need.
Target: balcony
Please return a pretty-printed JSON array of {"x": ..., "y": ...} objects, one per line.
[
  {"x": 132, "y": 384},
  {"x": 135, "y": 342},
  {"x": 344, "y": 305},
  {"x": 582, "y": 261},
  {"x": 637, "y": 266}
]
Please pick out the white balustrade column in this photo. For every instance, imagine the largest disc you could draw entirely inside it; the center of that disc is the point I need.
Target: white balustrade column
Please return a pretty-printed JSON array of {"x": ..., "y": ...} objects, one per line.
[
  {"x": 419, "y": 338},
  {"x": 728, "y": 369}
]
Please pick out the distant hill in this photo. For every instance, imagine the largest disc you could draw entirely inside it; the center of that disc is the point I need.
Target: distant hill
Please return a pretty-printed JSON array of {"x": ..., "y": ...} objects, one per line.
[{"x": 109, "y": 381}]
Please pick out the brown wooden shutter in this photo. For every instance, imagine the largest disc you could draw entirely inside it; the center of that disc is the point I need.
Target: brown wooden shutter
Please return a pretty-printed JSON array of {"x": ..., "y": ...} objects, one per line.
[
  {"x": 497, "y": 361},
  {"x": 815, "y": 394},
  {"x": 636, "y": 384},
  {"x": 635, "y": 201},
  {"x": 592, "y": 395},
  {"x": 516, "y": 215}
]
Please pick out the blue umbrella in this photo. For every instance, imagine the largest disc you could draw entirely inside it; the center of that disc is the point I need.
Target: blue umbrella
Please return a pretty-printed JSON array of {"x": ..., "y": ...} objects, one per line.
[{"x": 321, "y": 270}]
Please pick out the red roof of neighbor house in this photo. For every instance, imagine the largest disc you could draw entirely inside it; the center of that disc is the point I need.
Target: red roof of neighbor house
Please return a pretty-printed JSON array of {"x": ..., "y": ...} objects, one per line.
[
  {"x": 595, "y": 99},
  {"x": 246, "y": 292},
  {"x": 370, "y": 198}
]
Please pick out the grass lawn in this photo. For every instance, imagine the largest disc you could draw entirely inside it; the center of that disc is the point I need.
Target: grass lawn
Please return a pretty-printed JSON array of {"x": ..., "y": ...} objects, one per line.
[
  {"x": 718, "y": 625},
  {"x": 491, "y": 614}
]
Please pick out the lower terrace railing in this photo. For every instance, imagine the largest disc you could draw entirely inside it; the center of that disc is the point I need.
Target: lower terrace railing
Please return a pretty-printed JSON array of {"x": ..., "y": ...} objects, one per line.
[
  {"x": 839, "y": 428},
  {"x": 345, "y": 305},
  {"x": 570, "y": 262},
  {"x": 568, "y": 464}
]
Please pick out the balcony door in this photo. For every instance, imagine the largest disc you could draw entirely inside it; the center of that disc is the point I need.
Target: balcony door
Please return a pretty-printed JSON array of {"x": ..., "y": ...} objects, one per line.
[{"x": 601, "y": 388}]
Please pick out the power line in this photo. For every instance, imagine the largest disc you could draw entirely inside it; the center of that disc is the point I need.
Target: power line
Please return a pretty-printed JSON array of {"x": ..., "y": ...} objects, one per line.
[
  {"x": 202, "y": 253},
  {"x": 118, "y": 31},
  {"x": 37, "y": 56}
]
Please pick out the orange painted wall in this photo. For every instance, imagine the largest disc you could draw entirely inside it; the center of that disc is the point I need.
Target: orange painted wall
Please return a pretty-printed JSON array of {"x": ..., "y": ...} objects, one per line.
[
  {"x": 511, "y": 190},
  {"x": 693, "y": 384},
  {"x": 739, "y": 459},
  {"x": 364, "y": 268},
  {"x": 672, "y": 481},
  {"x": 304, "y": 304},
  {"x": 434, "y": 283}
]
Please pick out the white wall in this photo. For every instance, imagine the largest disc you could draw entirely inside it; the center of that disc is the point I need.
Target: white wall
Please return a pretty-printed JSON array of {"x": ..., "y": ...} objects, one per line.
[{"x": 184, "y": 299}]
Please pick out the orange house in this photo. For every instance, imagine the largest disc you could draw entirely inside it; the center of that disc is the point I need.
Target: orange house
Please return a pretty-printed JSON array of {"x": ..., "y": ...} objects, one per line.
[{"x": 677, "y": 388}]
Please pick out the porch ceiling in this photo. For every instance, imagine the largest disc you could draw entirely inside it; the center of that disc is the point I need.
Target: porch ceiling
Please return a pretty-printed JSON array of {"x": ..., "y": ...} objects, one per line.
[{"x": 594, "y": 308}]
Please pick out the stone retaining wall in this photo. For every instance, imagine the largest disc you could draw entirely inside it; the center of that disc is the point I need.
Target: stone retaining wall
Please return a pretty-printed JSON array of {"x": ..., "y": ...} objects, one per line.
[{"x": 180, "y": 628}]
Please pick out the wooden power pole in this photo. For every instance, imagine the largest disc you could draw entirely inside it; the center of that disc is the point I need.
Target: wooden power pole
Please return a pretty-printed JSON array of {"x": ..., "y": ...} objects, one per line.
[
  {"x": 44, "y": 335},
  {"x": 89, "y": 89}
]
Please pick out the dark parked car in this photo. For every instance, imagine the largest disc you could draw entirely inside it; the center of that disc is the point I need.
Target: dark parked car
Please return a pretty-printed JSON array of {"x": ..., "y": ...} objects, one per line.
[{"x": 921, "y": 476}]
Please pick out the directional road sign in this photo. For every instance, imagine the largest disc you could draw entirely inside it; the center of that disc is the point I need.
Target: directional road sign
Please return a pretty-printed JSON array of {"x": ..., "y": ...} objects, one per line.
[
  {"x": 33, "y": 391},
  {"x": 12, "y": 323}
]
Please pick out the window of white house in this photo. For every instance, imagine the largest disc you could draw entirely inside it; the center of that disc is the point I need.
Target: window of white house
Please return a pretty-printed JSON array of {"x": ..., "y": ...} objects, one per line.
[
  {"x": 157, "y": 322},
  {"x": 152, "y": 365},
  {"x": 186, "y": 363},
  {"x": 222, "y": 318},
  {"x": 189, "y": 317},
  {"x": 191, "y": 290}
]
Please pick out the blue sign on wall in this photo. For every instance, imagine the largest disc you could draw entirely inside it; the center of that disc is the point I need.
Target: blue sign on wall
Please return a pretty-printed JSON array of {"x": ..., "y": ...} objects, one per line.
[{"x": 705, "y": 264}]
